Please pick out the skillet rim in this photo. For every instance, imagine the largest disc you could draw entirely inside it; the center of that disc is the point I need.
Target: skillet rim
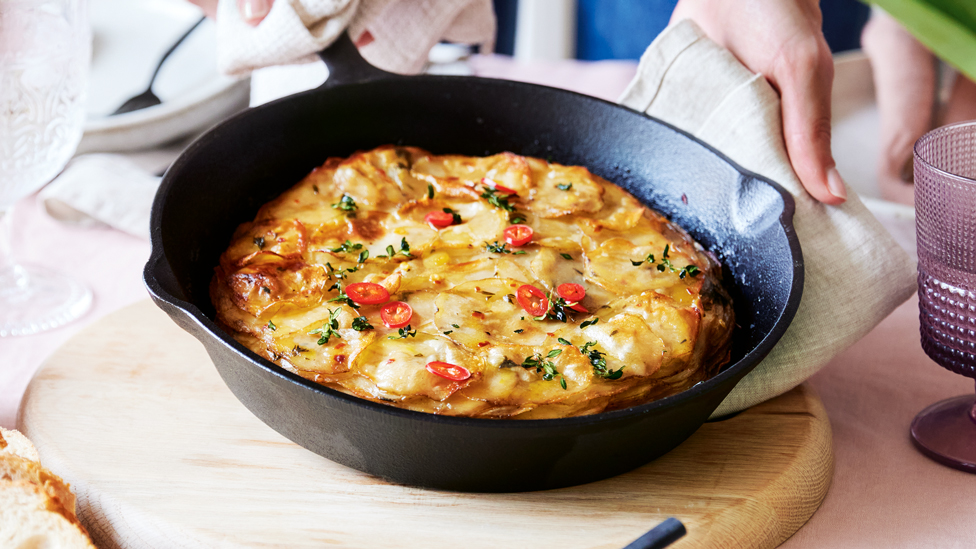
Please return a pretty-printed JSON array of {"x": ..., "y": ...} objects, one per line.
[{"x": 747, "y": 362}]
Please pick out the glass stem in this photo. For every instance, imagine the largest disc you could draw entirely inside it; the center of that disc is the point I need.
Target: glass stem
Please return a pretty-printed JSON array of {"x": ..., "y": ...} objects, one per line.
[
  {"x": 972, "y": 412},
  {"x": 6, "y": 240}
]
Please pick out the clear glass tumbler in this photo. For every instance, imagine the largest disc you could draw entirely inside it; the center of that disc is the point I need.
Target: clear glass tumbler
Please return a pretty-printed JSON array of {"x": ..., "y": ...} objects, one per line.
[
  {"x": 45, "y": 51},
  {"x": 945, "y": 224}
]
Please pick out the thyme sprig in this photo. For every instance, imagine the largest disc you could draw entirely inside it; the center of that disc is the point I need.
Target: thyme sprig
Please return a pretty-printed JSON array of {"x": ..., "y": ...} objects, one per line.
[
  {"x": 665, "y": 264},
  {"x": 404, "y": 333},
  {"x": 501, "y": 200},
  {"x": 544, "y": 366},
  {"x": 340, "y": 274},
  {"x": 329, "y": 328},
  {"x": 345, "y": 247},
  {"x": 556, "y": 310},
  {"x": 497, "y": 199},
  {"x": 346, "y": 204},
  {"x": 342, "y": 297},
  {"x": 404, "y": 250},
  {"x": 361, "y": 324},
  {"x": 501, "y": 248}
]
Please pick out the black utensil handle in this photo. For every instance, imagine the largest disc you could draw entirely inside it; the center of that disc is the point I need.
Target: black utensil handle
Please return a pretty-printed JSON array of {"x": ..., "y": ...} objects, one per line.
[
  {"x": 347, "y": 66},
  {"x": 662, "y": 535},
  {"x": 173, "y": 48}
]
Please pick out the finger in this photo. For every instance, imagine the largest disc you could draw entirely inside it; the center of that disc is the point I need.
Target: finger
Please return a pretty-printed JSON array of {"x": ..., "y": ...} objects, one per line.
[
  {"x": 209, "y": 7},
  {"x": 804, "y": 82},
  {"x": 254, "y": 11},
  {"x": 962, "y": 102},
  {"x": 905, "y": 80}
]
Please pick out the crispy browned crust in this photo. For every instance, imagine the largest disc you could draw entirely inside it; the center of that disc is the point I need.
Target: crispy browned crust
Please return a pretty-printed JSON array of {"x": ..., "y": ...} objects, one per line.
[{"x": 663, "y": 319}]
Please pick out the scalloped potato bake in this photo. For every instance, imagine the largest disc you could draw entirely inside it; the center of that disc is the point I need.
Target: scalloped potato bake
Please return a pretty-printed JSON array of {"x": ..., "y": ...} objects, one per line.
[{"x": 499, "y": 287}]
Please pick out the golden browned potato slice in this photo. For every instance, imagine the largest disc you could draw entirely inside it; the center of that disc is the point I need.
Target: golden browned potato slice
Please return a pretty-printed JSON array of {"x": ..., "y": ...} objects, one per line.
[
  {"x": 368, "y": 184},
  {"x": 398, "y": 367},
  {"x": 504, "y": 169},
  {"x": 319, "y": 348},
  {"x": 612, "y": 266},
  {"x": 629, "y": 343},
  {"x": 484, "y": 312},
  {"x": 620, "y": 212},
  {"x": 284, "y": 238},
  {"x": 264, "y": 288},
  {"x": 562, "y": 190}
]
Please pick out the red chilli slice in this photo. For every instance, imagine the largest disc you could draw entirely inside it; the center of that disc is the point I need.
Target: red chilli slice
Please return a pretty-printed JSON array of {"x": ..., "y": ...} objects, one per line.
[
  {"x": 532, "y": 299},
  {"x": 571, "y": 292},
  {"x": 449, "y": 371},
  {"x": 367, "y": 293},
  {"x": 396, "y": 314},
  {"x": 500, "y": 188},
  {"x": 439, "y": 219},
  {"x": 518, "y": 235}
]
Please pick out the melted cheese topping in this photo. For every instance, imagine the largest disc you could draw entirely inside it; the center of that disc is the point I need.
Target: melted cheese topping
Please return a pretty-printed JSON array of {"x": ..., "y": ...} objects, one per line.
[{"x": 655, "y": 326}]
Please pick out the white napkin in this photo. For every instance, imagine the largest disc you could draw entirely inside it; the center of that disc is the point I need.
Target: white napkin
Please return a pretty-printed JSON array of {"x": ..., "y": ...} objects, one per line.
[
  {"x": 855, "y": 273},
  {"x": 402, "y": 31},
  {"x": 102, "y": 189}
]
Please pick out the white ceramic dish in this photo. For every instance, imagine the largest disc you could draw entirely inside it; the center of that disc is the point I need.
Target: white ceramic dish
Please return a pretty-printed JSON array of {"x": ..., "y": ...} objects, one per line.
[{"x": 130, "y": 36}]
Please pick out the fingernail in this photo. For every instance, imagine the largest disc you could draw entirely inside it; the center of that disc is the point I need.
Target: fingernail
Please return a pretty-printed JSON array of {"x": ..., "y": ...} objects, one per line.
[
  {"x": 253, "y": 11},
  {"x": 365, "y": 39},
  {"x": 835, "y": 184}
]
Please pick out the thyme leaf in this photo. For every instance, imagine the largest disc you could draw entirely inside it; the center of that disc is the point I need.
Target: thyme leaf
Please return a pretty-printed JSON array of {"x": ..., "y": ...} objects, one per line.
[
  {"x": 361, "y": 324},
  {"x": 501, "y": 248},
  {"x": 404, "y": 333},
  {"x": 454, "y": 214},
  {"x": 586, "y": 323}
]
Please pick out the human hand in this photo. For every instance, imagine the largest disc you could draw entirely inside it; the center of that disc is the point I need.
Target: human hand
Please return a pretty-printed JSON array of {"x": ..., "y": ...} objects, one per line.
[
  {"x": 906, "y": 82},
  {"x": 782, "y": 40},
  {"x": 252, "y": 11}
]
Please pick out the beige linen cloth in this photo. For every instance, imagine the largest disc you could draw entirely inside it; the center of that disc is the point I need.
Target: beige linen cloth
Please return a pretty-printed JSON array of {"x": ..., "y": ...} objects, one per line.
[{"x": 855, "y": 273}]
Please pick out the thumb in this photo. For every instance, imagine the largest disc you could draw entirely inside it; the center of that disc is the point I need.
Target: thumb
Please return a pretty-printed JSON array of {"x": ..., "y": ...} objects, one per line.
[{"x": 804, "y": 87}]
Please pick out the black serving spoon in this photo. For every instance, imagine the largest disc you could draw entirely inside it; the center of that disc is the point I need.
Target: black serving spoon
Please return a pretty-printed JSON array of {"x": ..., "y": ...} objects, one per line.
[
  {"x": 662, "y": 535},
  {"x": 148, "y": 98}
]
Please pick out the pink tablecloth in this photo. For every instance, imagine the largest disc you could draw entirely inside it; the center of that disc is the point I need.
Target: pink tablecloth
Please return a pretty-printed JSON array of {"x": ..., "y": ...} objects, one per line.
[{"x": 884, "y": 493}]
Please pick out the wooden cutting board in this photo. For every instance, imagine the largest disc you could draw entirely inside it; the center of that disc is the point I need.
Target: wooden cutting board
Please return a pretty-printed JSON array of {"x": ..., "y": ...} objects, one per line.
[{"x": 132, "y": 412}]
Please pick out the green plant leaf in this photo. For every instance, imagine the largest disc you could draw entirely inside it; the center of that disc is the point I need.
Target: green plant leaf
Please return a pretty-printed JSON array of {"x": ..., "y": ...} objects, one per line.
[{"x": 947, "y": 27}]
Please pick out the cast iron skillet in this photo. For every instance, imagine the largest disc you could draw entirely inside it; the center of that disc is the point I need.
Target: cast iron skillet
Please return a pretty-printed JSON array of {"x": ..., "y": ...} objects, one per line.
[{"x": 227, "y": 174}]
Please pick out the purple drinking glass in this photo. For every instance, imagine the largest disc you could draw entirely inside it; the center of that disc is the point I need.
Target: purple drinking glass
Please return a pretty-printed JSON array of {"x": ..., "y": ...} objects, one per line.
[{"x": 945, "y": 224}]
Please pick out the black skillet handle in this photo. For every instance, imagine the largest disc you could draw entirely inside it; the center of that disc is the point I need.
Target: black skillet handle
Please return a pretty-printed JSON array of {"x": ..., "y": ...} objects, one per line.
[{"x": 347, "y": 66}]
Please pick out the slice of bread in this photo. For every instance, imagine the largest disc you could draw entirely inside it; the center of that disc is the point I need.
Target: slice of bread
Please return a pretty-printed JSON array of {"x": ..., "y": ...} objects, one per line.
[
  {"x": 13, "y": 442},
  {"x": 16, "y": 469},
  {"x": 30, "y": 519},
  {"x": 37, "y": 508}
]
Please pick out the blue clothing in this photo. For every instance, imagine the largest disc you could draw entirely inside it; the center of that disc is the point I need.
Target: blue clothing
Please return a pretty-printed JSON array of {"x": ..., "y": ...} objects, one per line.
[{"x": 622, "y": 29}]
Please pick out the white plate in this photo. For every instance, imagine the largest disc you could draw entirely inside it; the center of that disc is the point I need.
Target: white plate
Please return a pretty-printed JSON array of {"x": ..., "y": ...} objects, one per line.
[{"x": 130, "y": 36}]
